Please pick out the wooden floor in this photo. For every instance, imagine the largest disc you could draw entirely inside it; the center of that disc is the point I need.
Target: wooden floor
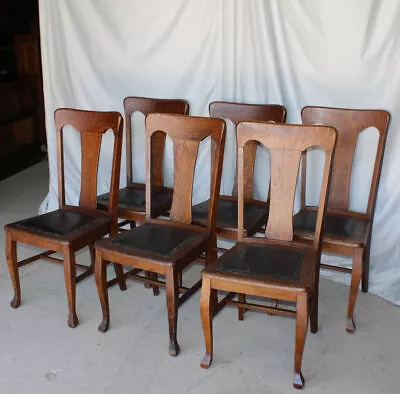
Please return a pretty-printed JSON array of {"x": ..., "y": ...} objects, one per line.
[{"x": 40, "y": 354}]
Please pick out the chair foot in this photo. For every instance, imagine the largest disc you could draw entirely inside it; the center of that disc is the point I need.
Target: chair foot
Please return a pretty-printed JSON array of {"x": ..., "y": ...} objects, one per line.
[
  {"x": 72, "y": 320},
  {"x": 206, "y": 362},
  {"x": 156, "y": 291},
  {"x": 313, "y": 330},
  {"x": 298, "y": 380},
  {"x": 104, "y": 326},
  {"x": 350, "y": 326},
  {"x": 15, "y": 302},
  {"x": 174, "y": 348}
]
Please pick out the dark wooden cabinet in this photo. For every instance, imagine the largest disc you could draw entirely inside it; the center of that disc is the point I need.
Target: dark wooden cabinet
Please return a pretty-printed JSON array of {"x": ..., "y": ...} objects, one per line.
[{"x": 20, "y": 144}]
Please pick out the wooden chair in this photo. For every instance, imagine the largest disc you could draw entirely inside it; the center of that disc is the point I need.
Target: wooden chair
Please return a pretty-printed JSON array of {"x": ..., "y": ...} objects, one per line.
[
  {"x": 275, "y": 266},
  {"x": 71, "y": 228},
  {"x": 161, "y": 246},
  {"x": 255, "y": 211},
  {"x": 132, "y": 201},
  {"x": 346, "y": 232}
]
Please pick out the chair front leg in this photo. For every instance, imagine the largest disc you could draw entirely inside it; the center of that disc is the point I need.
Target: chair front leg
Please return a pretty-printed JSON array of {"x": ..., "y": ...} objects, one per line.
[
  {"x": 314, "y": 297},
  {"x": 100, "y": 273},
  {"x": 365, "y": 269},
  {"x": 206, "y": 318},
  {"x": 301, "y": 332},
  {"x": 70, "y": 285},
  {"x": 92, "y": 258},
  {"x": 119, "y": 273},
  {"x": 355, "y": 283},
  {"x": 241, "y": 310},
  {"x": 210, "y": 258},
  {"x": 171, "y": 286},
  {"x": 11, "y": 255},
  {"x": 156, "y": 289}
]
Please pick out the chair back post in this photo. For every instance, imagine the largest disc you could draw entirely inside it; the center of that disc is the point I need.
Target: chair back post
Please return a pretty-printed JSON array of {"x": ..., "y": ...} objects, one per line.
[
  {"x": 217, "y": 159},
  {"x": 186, "y": 133},
  {"x": 286, "y": 144},
  {"x": 146, "y": 106},
  {"x": 349, "y": 123},
  {"x": 239, "y": 112},
  {"x": 91, "y": 125}
]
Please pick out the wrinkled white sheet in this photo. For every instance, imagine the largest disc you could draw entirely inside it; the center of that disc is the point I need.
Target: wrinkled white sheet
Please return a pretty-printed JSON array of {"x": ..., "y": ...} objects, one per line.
[{"x": 343, "y": 53}]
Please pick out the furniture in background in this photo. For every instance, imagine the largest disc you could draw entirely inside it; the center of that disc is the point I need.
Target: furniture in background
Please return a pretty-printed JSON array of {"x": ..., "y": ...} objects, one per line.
[
  {"x": 162, "y": 246},
  {"x": 346, "y": 232},
  {"x": 255, "y": 211},
  {"x": 19, "y": 135},
  {"x": 71, "y": 228},
  {"x": 276, "y": 266},
  {"x": 29, "y": 68},
  {"x": 132, "y": 198}
]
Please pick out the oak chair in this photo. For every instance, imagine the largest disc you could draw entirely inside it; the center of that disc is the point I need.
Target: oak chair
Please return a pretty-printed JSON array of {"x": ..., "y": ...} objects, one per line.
[
  {"x": 132, "y": 198},
  {"x": 346, "y": 232},
  {"x": 276, "y": 265},
  {"x": 71, "y": 228},
  {"x": 164, "y": 246},
  {"x": 255, "y": 211}
]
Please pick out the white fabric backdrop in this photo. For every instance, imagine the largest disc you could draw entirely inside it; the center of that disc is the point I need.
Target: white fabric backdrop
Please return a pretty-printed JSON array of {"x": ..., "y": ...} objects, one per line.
[{"x": 342, "y": 53}]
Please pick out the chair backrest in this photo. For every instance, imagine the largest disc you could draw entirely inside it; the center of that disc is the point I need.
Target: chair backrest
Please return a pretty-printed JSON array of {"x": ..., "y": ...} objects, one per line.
[
  {"x": 186, "y": 133},
  {"x": 91, "y": 125},
  {"x": 348, "y": 123},
  {"x": 285, "y": 144},
  {"x": 146, "y": 106},
  {"x": 239, "y": 112}
]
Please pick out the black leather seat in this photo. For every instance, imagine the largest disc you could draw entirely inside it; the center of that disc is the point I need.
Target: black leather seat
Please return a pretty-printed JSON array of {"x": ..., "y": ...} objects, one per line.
[
  {"x": 343, "y": 228},
  {"x": 134, "y": 198},
  {"x": 153, "y": 239},
  {"x": 255, "y": 216},
  {"x": 270, "y": 262},
  {"x": 62, "y": 223}
]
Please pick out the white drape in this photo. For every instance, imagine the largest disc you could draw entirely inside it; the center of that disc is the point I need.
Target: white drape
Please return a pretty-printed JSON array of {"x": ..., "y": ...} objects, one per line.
[{"x": 341, "y": 53}]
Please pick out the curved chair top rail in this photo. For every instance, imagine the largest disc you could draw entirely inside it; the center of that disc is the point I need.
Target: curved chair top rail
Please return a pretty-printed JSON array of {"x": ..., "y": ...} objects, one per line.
[
  {"x": 286, "y": 144},
  {"x": 349, "y": 123},
  {"x": 239, "y": 112}
]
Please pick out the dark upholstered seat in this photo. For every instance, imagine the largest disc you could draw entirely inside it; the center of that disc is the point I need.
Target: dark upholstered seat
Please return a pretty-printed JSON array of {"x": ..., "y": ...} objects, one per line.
[
  {"x": 255, "y": 215},
  {"x": 134, "y": 198},
  {"x": 271, "y": 262},
  {"x": 342, "y": 228},
  {"x": 156, "y": 239},
  {"x": 61, "y": 223}
]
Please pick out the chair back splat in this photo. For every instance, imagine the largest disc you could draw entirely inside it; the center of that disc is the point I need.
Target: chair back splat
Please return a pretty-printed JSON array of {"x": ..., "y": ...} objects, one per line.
[
  {"x": 91, "y": 127},
  {"x": 146, "y": 106},
  {"x": 349, "y": 124},
  {"x": 186, "y": 134},
  {"x": 286, "y": 144},
  {"x": 238, "y": 112}
]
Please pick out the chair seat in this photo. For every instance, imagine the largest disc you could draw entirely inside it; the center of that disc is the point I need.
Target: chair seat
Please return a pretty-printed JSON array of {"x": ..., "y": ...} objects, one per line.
[
  {"x": 63, "y": 223},
  {"x": 255, "y": 215},
  {"x": 338, "y": 228},
  {"x": 134, "y": 198},
  {"x": 162, "y": 241},
  {"x": 268, "y": 261}
]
